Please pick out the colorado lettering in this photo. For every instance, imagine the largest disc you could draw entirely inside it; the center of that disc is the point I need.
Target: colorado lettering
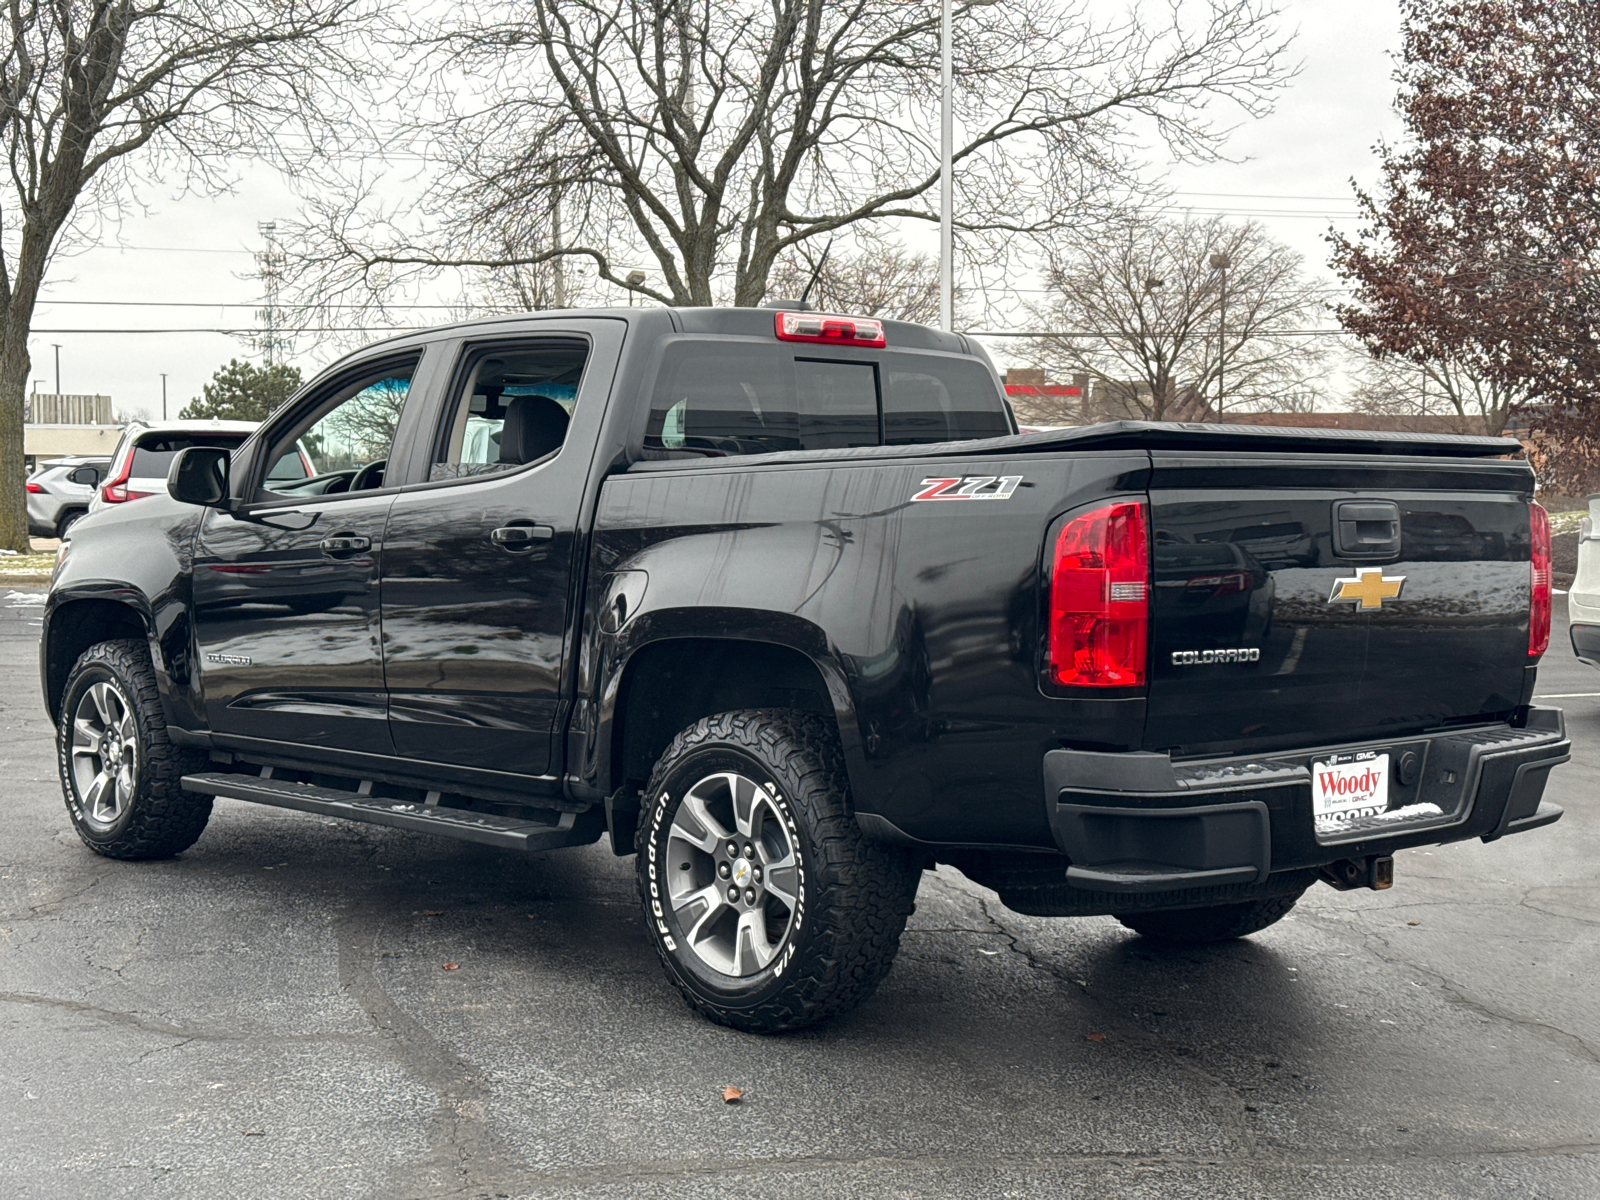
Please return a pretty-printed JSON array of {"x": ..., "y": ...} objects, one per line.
[{"x": 1196, "y": 658}]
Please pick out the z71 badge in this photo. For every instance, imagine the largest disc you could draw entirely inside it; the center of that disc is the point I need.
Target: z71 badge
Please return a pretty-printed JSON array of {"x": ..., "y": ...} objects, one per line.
[{"x": 969, "y": 487}]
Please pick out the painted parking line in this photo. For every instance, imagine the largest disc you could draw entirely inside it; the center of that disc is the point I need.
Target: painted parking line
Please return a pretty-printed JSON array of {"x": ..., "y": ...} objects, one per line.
[{"x": 1570, "y": 696}]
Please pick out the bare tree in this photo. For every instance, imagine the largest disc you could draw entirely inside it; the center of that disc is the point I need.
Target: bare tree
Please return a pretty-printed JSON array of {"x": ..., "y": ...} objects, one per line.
[
  {"x": 878, "y": 280},
  {"x": 710, "y": 139},
  {"x": 92, "y": 92},
  {"x": 1142, "y": 310},
  {"x": 1399, "y": 387}
]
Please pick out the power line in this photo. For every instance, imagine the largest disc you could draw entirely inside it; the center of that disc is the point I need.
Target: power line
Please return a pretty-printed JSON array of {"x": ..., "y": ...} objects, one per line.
[
  {"x": 242, "y": 304},
  {"x": 251, "y": 330},
  {"x": 395, "y": 329}
]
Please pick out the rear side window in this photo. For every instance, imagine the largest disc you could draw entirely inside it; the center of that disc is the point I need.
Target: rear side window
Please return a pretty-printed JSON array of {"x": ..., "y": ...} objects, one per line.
[
  {"x": 153, "y": 453},
  {"x": 718, "y": 398},
  {"x": 953, "y": 404}
]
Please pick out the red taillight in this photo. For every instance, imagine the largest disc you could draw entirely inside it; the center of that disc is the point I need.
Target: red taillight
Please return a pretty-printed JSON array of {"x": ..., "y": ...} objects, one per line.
[
  {"x": 1539, "y": 607},
  {"x": 1100, "y": 598},
  {"x": 115, "y": 489},
  {"x": 825, "y": 327},
  {"x": 34, "y": 487}
]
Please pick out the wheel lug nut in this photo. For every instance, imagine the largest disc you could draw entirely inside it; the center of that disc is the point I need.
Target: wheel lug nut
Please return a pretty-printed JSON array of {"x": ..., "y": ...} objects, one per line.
[
  {"x": 749, "y": 850},
  {"x": 733, "y": 850},
  {"x": 724, "y": 870},
  {"x": 733, "y": 894},
  {"x": 750, "y": 895},
  {"x": 758, "y": 874}
]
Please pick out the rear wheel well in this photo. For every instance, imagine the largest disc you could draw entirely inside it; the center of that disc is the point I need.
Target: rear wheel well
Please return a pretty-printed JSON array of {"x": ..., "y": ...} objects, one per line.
[
  {"x": 76, "y": 626},
  {"x": 670, "y": 685}
]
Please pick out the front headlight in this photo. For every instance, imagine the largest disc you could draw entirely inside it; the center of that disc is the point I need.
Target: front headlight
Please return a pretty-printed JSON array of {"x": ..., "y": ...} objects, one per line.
[{"x": 64, "y": 549}]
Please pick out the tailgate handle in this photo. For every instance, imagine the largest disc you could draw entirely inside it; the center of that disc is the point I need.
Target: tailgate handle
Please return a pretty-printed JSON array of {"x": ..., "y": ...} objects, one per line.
[{"x": 1366, "y": 528}]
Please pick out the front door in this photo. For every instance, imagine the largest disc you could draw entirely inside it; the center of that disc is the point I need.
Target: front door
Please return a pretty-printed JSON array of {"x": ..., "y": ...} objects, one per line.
[
  {"x": 286, "y": 585},
  {"x": 478, "y": 564}
]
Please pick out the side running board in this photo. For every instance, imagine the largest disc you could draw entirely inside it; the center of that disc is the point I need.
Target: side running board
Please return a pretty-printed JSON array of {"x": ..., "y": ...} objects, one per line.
[{"x": 511, "y": 833}]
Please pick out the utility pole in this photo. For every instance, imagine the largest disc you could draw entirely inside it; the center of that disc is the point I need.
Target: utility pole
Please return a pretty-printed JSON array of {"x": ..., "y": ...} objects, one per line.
[
  {"x": 163, "y": 395},
  {"x": 947, "y": 264},
  {"x": 557, "y": 264},
  {"x": 57, "y": 346},
  {"x": 1220, "y": 263},
  {"x": 269, "y": 263}
]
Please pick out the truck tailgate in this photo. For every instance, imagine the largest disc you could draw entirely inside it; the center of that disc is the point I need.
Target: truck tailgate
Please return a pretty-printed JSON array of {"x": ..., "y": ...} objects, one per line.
[{"x": 1255, "y": 641}]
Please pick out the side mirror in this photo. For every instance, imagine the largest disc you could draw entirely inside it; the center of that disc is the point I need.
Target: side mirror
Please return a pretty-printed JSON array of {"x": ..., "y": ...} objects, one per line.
[
  {"x": 199, "y": 475},
  {"x": 87, "y": 476}
]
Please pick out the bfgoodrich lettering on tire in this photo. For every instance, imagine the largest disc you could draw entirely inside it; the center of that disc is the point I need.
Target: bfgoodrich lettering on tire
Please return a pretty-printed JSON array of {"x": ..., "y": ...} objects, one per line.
[
  {"x": 120, "y": 775},
  {"x": 768, "y": 907}
]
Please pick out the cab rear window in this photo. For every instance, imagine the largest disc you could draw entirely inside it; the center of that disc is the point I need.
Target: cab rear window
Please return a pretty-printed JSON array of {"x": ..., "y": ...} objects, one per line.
[
  {"x": 718, "y": 398},
  {"x": 153, "y": 454}
]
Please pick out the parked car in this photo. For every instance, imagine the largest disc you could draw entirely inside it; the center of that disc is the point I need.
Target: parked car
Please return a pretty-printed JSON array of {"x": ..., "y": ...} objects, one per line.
[
  {"x": 145, "y": 452},
  {"x": 780, "y": 603},
  {"x": 1583, "y": 598},
  {"x": 59, "y": 493}
]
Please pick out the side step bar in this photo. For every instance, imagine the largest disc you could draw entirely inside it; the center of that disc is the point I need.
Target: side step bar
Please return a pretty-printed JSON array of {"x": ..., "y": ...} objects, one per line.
[{"x": 511, "y": 833}]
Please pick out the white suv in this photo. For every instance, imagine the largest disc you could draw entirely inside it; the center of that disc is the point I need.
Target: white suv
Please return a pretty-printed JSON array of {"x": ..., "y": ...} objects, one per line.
[
  {"x": 1583, "y": 599},
  {"x": 140, "y": 463}
]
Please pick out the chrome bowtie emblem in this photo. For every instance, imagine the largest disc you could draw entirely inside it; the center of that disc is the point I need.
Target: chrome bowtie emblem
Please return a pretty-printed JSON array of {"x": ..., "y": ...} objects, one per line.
[{"x": 1367, "y": 589}]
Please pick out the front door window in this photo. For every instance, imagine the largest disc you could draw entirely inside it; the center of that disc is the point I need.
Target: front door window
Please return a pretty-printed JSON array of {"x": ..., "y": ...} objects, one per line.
[{"x": 343, "y": 445}]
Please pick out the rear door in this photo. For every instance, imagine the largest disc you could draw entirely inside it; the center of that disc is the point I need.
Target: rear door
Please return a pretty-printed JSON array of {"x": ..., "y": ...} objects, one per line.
[
  {"x": 479, "y": 569},
  {"x": 1326, "y": 598}
]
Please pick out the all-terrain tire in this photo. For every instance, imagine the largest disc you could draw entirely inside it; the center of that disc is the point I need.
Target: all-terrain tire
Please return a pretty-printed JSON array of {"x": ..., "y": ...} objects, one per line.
[
  {"x": 853, "y": 895},
  {"x": 158, "y": 819},
  {"x": 1217, "y": 923}
]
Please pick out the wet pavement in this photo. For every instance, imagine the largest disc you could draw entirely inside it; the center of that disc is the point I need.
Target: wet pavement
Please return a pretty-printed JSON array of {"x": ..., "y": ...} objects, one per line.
[{"x": 266, "y": 1016}]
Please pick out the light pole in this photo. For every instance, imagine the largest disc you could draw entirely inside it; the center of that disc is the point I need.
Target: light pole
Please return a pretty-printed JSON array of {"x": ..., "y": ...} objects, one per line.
[
  {"x": 1152, "y": 288},
  {"x": 163, "y": 395},
  {"x": 1220, "y": 263},
  {"x": 947, "y": 232},
  {"x": 947, "y": 191},
  {"x": 633, "y": 279},
  {"x": 57, "y": 346}
]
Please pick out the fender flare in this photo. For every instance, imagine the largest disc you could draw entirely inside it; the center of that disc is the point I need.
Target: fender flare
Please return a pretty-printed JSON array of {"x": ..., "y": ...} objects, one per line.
[{"x": 618, "y": 651}]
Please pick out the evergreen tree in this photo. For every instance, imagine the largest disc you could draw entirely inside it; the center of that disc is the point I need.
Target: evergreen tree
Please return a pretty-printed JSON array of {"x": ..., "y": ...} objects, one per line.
[{"x": 242, "y": 392}]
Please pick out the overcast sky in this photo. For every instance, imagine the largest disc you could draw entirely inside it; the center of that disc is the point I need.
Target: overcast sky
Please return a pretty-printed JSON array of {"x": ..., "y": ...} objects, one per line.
[{"x": 187, "y": 264}]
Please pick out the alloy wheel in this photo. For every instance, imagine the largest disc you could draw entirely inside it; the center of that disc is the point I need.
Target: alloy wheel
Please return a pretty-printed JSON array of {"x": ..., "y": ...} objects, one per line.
[
  {"x": 733, "y": 876},
  {"x": 105, "y": 753}
]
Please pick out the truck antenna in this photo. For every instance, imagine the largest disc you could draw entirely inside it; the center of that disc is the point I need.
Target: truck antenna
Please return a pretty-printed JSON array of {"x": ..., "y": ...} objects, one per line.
[{"x": 821, "y": 262}]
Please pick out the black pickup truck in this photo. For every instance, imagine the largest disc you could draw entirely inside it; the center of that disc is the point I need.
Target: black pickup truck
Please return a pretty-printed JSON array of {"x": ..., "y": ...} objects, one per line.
[{"x": 783, "y": 603}]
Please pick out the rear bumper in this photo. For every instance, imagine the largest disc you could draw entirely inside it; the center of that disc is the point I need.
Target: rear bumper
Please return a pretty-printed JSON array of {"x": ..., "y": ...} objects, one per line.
[
  {"x": 1140, "y": 823},
  {"x": 1586, "y": 643}
]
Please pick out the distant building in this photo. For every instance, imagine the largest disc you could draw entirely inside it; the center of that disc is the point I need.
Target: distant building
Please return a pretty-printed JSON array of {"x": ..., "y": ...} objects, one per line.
[
  {"x": 1087, "y": 401},
  {"x": 55, "y": 425}
]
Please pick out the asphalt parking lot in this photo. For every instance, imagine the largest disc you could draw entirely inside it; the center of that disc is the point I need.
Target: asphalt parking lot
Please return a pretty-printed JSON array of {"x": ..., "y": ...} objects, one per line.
[{"x": 266, "y": 1016}]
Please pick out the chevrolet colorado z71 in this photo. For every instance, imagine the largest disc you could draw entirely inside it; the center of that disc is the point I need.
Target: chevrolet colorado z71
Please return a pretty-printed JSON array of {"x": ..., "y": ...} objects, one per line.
[{"x": 784, "y": 604}]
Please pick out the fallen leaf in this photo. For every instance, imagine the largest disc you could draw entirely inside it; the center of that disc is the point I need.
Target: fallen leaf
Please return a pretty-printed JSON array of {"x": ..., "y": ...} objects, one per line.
[
  {"x": 533, "y": 916},
  {"x": 451, "y": 967},
  {"x": 1413, "y": 922},
  {"x": 254, "y": 1133},
  {"x": 731, "y": 1095},
  {"x": 433, "y": 912},
  {"x": 1094, "y": 1035}
]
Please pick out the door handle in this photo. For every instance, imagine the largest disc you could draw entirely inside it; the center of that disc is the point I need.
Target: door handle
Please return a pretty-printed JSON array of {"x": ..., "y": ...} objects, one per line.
[
  {"x": 345, "y": 544},
  {"x": 521, "y": 537}
]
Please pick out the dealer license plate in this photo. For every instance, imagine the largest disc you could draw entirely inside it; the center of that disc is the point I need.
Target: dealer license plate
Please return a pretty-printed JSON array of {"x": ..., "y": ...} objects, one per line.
[{"x": 1347, "y": 787}]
